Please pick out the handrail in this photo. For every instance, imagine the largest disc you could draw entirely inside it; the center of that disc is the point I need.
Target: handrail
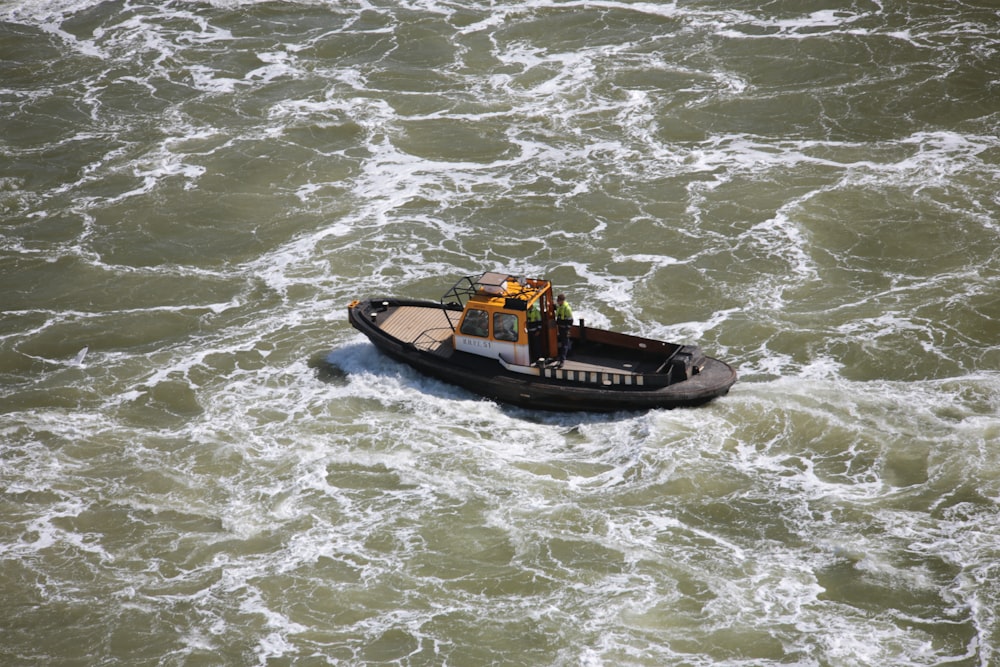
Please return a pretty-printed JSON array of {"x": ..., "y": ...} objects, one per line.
[
  {"x": 426, "y": 342},
  {"x": 469, "y": 286},
  {"x": 458, "y": 294}
]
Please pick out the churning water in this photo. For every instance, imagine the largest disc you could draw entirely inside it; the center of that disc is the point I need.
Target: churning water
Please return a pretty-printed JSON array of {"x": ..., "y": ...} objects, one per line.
[{"x": 201, "y": 463}]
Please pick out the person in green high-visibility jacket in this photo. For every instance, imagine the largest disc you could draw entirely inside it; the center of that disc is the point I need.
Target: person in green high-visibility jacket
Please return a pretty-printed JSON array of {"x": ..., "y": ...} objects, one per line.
[
  {"x": 534, "y": 330},
  {"x": 564, "y": 320},
  {"x": 534, "y": 316}
]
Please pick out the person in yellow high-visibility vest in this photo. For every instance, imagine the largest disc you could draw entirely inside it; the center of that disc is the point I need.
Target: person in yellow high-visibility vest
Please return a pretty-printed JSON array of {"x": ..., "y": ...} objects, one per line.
[
  {"x": 564, "y": 320},
  {"x": 534, "y": 330}
]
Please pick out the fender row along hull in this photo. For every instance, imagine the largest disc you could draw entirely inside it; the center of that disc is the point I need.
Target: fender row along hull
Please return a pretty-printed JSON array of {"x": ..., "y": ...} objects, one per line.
[{"x": 482, "y": 337}]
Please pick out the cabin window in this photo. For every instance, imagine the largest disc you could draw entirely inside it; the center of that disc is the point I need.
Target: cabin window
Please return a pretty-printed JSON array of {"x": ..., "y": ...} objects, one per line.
[
  {"x": 476, "y": 323},
  {"x": 505, "y": 326}
]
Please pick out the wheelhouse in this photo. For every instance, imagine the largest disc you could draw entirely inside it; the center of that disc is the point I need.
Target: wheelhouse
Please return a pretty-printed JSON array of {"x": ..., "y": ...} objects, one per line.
[{"x": 504, "y": 317}]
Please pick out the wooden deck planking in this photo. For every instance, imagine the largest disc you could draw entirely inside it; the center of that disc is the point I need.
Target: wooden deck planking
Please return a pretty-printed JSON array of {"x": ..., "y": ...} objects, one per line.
[{"x": 427, "y": 328}]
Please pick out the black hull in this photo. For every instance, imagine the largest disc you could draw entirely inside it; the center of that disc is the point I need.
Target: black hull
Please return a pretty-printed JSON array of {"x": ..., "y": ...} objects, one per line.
[{"x": 488, "y": 378}]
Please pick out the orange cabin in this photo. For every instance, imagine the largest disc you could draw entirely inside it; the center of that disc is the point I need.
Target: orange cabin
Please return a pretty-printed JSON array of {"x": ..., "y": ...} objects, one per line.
[{"x": 507, "y": 317}]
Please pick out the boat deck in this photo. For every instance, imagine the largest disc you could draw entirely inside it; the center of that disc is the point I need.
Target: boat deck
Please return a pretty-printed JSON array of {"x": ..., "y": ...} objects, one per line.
[
  {"x": 580, "y": 360},
  {"x": 429, "y": 330}
]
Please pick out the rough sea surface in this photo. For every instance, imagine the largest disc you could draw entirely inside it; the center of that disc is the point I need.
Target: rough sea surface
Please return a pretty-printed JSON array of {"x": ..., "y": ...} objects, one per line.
[{"x": 201, "y": 463}]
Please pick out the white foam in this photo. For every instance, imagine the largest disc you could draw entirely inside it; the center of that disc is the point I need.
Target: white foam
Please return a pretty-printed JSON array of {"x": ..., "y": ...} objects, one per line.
[{"x": 649, "y": 532}]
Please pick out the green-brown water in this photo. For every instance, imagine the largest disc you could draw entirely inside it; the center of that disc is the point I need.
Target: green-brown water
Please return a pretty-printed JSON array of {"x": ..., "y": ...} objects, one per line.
[{"x": 230, "y": 475}]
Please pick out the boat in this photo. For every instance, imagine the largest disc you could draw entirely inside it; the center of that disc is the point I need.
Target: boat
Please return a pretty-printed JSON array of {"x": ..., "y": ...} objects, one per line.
[{"x": 497, "y": 335}]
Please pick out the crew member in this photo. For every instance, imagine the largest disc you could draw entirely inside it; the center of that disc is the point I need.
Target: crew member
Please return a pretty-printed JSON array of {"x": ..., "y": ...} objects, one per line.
[
  {"x": 534, "y": 330},
  {"x": 564, "y": 320}
]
